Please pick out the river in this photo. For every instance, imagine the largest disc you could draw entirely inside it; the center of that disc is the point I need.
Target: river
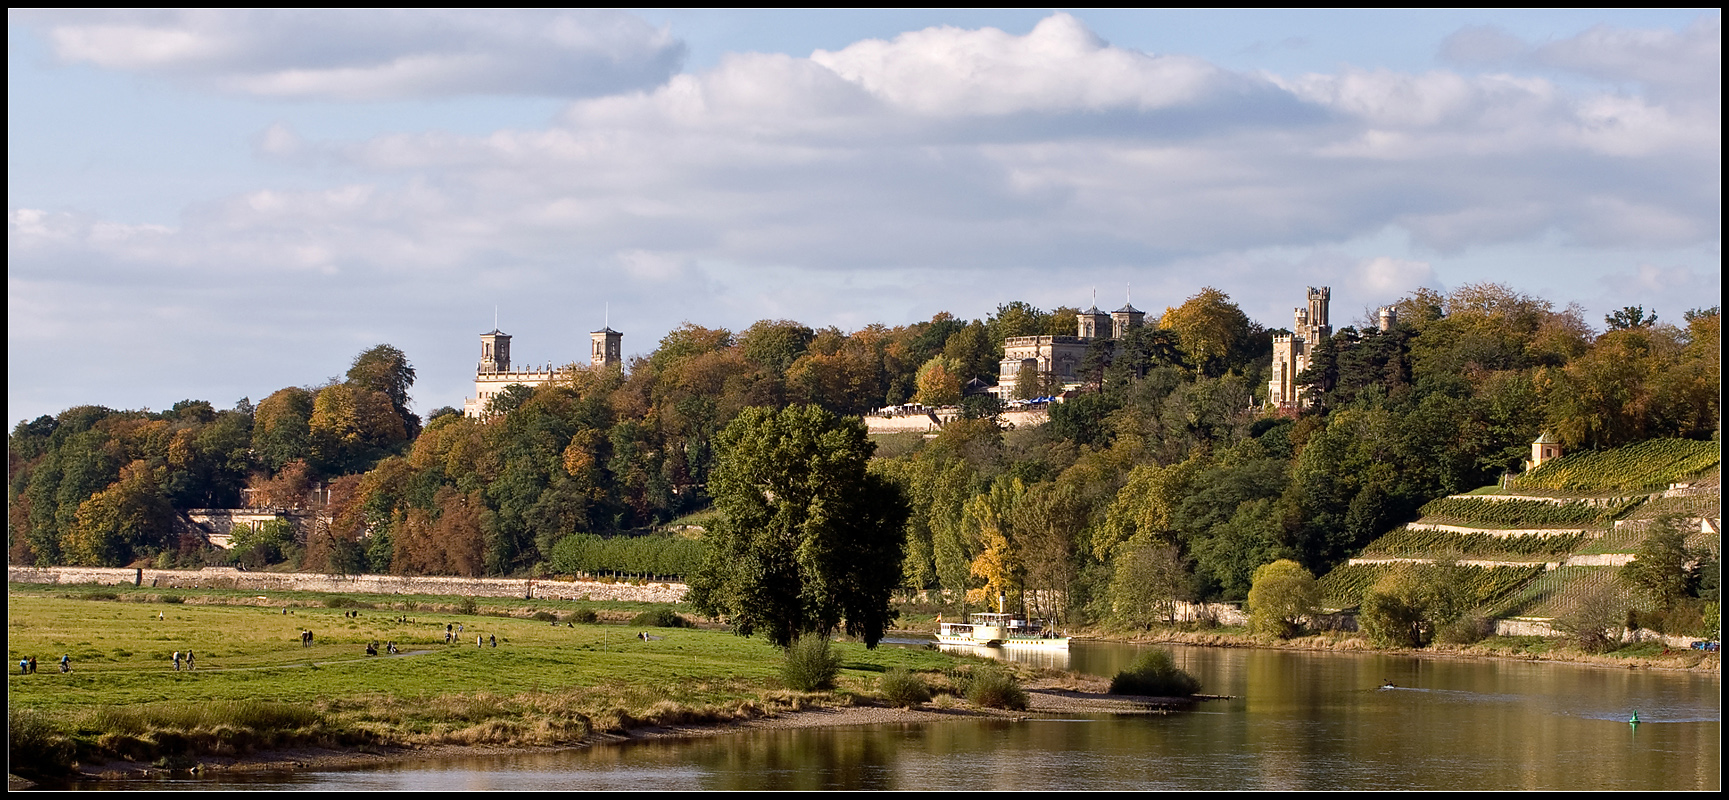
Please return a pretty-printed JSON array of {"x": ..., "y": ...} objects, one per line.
[{"x": 1296, "y": 720}]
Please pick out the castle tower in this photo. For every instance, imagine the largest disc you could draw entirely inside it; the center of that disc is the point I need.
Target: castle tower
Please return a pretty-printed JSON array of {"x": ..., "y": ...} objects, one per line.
[
  {"x": 1291, "y": 353},
  {"x": 606, "y": 348},
  {"x": 1319, "y": 327},
  {"x": 495, "y": 351},
  {"x": 1126, "y": 319},
  {"x": 1388, "y": 318},
  {"x": 1092, "y": 323}
]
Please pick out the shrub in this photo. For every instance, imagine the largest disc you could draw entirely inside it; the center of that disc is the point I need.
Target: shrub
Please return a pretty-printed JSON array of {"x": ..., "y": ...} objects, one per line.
[
  {"x": 1282, "y": 597},
  {"x": 1595, "y": 621},
  {"x": 1466, "y": 630},
  {"x": 1391, "y": 615},
  {"x": 171, "y": 599},
  {"x": 1155, "y": 674},
  {"x": 904, "y": 689},
  {"x": 35, "y": 747},
  {"x": 544, "y": 616},
  {"x": 468, "y": 606},
  {"x": 582, "y": 616},
  {"x": 660, "y": 618},
  {"x": 346, "y": 602},
  {"x": 810, "y": 665},
  {"x": 996, "y": 688}
]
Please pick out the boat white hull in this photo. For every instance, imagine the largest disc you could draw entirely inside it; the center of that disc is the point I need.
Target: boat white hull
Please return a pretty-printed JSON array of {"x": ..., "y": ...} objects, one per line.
[{"x": 1061, "y": 643}]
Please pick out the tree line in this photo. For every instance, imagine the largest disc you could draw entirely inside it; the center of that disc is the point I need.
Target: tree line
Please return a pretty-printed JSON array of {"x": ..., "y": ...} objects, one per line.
[{"x": 1165, "y": 477}]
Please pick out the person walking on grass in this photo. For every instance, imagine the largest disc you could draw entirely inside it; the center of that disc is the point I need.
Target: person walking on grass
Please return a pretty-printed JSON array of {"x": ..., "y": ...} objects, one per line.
[{"x": 177, "y": 661}]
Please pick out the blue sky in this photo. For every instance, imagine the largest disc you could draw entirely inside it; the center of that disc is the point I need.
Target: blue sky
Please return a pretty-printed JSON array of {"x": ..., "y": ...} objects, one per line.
[{"x": 217, "y": 204}]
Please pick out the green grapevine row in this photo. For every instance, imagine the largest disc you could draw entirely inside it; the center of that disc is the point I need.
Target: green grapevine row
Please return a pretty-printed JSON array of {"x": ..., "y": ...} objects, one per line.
[
  {"x": 1643, "y": 467},
  {"x": 1522, "y": 513},
  {"x": 1408, "y": 543}
]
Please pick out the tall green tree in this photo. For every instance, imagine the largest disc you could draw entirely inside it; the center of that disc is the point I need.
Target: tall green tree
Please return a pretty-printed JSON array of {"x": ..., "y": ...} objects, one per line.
[{"x": 808, "y": 541}]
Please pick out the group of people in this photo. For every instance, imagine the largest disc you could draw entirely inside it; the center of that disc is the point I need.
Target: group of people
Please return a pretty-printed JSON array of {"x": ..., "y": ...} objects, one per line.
[
  {"x": 177, "y": 658},
  {"x": 389, "y": 647},
  {"x": 27, "y": 666}
]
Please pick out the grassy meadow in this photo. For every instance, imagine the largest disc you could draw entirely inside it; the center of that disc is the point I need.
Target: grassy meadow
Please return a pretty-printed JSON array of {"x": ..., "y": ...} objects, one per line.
[{"x": 255, "y": 684}]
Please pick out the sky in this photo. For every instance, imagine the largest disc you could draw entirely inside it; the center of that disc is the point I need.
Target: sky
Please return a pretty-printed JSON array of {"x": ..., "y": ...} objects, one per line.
[{"x": 219, "y": 204}]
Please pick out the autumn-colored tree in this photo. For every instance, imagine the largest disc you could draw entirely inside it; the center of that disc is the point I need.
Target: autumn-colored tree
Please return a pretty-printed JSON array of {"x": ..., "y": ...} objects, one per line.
[
  {"x": 1212, "y": 330},
  {"x": 122, "y": 521},
  {"x": 939, "y": 382},
  {"x": 987, "y": 520},
  {"x": 289, "y": 488}
]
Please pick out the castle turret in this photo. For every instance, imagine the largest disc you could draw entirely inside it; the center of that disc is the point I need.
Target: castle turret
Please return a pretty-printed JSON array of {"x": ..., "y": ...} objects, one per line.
[
  {"x": 1126, "y": 319},
  {"x": 495, "y": 351},
  {"x": 1092, "y": 324},
  {"x": 1319, "y": 326},
  {"x": 606, "y": 348},
  {"x": 1388, "y": 318}
]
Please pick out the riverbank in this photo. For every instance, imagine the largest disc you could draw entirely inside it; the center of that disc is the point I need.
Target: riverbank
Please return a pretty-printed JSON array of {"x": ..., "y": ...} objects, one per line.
[
  {"x": 1051, "y": 694},
  {"x": 1504, "y": 648}
]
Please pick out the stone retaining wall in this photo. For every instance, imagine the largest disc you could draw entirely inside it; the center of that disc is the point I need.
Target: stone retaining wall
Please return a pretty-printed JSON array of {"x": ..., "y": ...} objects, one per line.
[{"x": 230, "y": 578}]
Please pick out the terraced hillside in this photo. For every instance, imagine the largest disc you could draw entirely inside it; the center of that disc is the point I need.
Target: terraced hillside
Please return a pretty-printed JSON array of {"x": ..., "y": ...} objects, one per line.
[{"x": 1554, "y": 535}]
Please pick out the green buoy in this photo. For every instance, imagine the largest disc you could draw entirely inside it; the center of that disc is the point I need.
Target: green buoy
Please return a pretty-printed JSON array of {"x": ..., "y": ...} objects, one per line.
[{"x": 1635, "y": 719}]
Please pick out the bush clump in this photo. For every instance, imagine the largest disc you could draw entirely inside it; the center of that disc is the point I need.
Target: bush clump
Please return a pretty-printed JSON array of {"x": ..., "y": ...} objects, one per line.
[
  {"x": 582, "y": 616},
  {"x": 1155, "y": 674},
  {"x": 996, "y": 688},
  {"x": 810, "y": 665},
  {"x": 660, "y": 618},
  {"x": 35, "y": 747},
  {"x": 903, "y": 689},
  {"x": 543, "y": 616}
]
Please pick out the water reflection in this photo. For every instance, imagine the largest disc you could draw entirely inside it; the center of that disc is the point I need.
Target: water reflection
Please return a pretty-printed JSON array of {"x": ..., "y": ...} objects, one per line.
[{"x": 1295, "y": 721}]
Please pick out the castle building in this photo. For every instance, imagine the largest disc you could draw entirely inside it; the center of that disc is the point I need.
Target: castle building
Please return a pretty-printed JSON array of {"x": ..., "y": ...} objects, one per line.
[
  {"x": 1291, "y": 352},
  {"x": 1060, "y": 357},
  {"x": 494, "y": 372}
]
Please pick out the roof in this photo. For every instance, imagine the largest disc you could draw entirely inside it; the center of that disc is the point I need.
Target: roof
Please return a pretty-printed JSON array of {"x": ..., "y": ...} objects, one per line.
[
  {"x": 1547, "y": 438},
  {"x": 1128, "y": 309},
  {"x": 1094, "y": 311},
  {"x": 495, "y": 332},
  {"x": 607, "y": 329}
]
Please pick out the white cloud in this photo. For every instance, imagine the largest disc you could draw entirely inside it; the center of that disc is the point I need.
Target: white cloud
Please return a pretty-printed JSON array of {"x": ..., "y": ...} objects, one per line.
[
  {"x": 1059, "y": 66},
  {"x": 373, "y": 54},
  {"x": 1685, "y": 62},
  {"x": 1383, "y": 276},
  {"x": 951, "y": 167}
]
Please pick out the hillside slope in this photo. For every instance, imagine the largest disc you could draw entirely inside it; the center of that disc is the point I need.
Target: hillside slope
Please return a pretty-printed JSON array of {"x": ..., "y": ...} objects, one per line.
[{"x": 1555, "y": 535}]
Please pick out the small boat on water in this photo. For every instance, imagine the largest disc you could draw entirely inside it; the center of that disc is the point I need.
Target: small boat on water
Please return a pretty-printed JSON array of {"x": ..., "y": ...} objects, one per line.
[{"x": 1000, "y": 630}]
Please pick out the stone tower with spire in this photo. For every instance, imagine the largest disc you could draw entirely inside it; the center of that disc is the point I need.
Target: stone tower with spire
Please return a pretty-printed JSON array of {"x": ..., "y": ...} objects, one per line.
[{"x": 605, "y": 348}]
